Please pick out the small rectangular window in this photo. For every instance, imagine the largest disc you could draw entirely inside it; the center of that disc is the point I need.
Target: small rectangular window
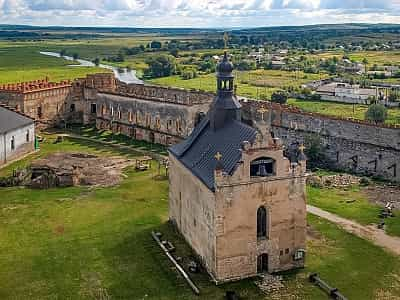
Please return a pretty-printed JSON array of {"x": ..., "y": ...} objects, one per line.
[
  {"x": 12, "y": 143},
  {"x": 27, "y": 136}
]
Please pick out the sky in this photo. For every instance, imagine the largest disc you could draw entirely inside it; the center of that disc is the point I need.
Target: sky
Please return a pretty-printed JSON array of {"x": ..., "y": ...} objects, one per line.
[{"x": 197, "y": 13}]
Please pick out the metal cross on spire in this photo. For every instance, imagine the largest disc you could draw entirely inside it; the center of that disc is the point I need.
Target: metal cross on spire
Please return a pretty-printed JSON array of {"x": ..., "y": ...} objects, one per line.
[{"x": 262, "y": 111}]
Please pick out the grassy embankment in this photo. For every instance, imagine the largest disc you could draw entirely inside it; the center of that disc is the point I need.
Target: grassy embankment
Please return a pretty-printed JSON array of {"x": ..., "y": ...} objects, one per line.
[{"x": 84, "y": 243}]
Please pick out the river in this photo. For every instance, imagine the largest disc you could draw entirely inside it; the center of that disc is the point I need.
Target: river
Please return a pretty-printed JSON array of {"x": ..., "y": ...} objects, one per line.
[{"x": 123, "y": 74}]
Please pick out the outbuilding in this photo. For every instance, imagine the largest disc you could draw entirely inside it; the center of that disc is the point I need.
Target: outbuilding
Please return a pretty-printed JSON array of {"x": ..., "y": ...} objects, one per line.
[{"x": 17, "y": 135}]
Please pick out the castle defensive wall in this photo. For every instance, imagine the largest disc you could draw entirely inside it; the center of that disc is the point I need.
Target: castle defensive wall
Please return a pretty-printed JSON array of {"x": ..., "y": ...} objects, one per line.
[{"x": 167, "y": 115}]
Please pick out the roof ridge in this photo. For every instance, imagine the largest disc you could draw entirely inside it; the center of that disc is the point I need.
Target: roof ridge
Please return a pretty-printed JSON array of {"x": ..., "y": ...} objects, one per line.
[{"x": 13, "y": 109}]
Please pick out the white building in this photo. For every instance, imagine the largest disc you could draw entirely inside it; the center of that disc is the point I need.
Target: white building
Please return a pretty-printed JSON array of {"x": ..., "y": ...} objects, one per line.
[{"x": 17, "y": 135}]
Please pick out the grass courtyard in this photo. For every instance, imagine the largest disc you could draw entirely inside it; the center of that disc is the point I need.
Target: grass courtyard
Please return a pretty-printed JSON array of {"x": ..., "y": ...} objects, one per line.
[{"x": 94, "y": 243}]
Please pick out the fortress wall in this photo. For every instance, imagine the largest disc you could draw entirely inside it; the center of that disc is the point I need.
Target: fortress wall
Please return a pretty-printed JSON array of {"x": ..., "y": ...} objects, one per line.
[{"x": 355, "y": 146}]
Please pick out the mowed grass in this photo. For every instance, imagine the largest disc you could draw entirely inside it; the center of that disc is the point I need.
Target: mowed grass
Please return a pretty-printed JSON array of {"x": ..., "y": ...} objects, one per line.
[
  {"x": 85, "y": 243},
  {"x": 342, "y": 110},
  {"x": 352, "y": 204},
  {"x": 22, "y": 63}
]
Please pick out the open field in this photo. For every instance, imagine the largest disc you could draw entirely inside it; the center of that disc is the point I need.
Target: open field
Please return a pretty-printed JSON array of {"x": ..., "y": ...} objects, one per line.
[
  {"x": 342, "y": 110},
  {"x": 85, "y": 243},
  {"x": 253, "y": 84},
  {"x": 373, "y": 57},
  {"x": 25, "y": 63}
]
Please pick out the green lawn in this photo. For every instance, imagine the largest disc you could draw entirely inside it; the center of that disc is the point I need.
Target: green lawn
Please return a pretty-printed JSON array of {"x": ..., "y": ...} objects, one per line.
[
  {"x": 351, "y": 204},
  {"x": 85, "y": 243},
  {"x": 342, "y": 110}
]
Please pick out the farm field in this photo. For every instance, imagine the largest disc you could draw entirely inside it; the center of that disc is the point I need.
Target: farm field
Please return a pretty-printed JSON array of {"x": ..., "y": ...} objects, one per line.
[
  {"x": 254, "y": 84},
  {"x": 342, "y": 110},
  {"x": 85, "y": 243},
  {"x": 25, "y": 63},
  {"x": 373, "y": 57}
]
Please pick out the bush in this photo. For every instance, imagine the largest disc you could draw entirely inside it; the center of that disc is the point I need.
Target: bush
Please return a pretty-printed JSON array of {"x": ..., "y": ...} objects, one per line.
[
  {"x": 280, "y": 97},
  {"x": 189, "y": 74},
  {"x": 161, "y": 66},
  {"x": 376, "y": 113}
]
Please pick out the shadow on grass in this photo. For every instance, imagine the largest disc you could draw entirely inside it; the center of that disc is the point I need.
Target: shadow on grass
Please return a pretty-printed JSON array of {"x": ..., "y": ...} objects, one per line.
[{"x": 147, "y": 270}]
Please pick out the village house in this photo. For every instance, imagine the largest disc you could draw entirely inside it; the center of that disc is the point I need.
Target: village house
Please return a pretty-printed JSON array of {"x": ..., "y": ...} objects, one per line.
[
  {"x": 17, "y": 135},
  {"x": 234, "y": 196}
]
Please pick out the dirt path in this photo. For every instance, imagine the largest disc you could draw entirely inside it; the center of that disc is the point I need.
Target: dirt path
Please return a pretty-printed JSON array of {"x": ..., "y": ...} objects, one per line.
[{"x": 370, "y": 232}]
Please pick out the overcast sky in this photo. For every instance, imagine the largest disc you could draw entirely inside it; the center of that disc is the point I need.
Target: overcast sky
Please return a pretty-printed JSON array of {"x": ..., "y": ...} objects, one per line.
[{"x": 197, "y": 13}]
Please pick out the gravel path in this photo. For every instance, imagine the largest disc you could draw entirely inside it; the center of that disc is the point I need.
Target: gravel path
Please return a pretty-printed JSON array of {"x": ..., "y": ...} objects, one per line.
[{"x": 370, "y": 232}]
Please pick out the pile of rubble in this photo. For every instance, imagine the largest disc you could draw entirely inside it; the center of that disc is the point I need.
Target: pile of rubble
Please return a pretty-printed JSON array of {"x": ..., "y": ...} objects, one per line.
[
  {"x": 269, "y": 283},
  {"x": 334, "y": 181},
  {"x": 75, "y": 169}
]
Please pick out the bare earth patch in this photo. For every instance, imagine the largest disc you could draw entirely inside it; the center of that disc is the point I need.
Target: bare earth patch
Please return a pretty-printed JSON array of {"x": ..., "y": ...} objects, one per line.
[
  {"x": 76, "y": 169},
  {"x": 382, "y": 194}
]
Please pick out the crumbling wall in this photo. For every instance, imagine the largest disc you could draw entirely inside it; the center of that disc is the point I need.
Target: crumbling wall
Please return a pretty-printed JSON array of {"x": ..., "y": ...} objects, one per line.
[{"x": 356, "y": 146}]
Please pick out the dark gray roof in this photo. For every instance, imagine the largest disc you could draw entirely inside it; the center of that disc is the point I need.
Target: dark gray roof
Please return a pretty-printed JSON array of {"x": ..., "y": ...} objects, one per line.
[
  {"x": 198, "y": 151},
  {"x": 10, "y": 120}
]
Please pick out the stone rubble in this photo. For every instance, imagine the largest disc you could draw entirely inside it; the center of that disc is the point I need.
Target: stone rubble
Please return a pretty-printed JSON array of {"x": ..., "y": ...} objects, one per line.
[
  {"x": 269, "y": 283},
  {"x": 334, "y": 181}
]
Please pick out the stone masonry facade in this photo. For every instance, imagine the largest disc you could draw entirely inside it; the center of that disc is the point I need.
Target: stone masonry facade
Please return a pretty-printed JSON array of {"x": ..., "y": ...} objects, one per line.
[{"x": 167, "y": 115}]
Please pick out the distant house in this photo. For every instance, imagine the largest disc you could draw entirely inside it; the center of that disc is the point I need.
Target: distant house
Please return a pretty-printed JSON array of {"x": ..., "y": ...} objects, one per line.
[
  {"x": 346, "y": 93},
  {"x": 348, "y": 66},
  {"x": 17, "y": 135},
  {"x": 277, "y": 64}
]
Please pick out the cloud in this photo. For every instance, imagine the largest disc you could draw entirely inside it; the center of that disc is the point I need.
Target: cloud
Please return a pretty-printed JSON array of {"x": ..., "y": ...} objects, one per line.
[{"x": 196, "y": 13}]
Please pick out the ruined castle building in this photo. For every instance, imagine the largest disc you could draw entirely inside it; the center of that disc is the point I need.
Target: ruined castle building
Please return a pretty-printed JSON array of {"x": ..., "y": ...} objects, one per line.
[{"x": 238, "y": 202}]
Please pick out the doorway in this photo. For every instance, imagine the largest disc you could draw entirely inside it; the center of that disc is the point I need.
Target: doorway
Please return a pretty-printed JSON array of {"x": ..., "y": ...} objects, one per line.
[{"x": 262, "y": 264}]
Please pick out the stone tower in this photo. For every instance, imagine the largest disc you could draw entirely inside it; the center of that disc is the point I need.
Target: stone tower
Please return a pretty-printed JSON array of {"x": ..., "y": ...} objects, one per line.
[{"x": 234, "y": 196}]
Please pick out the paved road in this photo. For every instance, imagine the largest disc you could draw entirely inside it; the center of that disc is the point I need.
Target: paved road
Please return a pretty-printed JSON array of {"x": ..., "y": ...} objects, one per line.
[{"x": 370, "y": 232}]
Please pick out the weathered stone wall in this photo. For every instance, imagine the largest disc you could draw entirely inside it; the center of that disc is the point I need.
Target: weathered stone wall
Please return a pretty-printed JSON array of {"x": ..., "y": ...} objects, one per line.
[
  {"x": 359, "y": 147},
  {"x": 238, "y": 197},
  {"x": 159, "y": 122},
  {"x": 191, "y": 209}
]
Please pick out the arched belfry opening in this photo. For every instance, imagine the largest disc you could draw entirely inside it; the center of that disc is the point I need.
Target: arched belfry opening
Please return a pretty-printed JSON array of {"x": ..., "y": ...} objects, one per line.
[{"x": 262, "y": 167}]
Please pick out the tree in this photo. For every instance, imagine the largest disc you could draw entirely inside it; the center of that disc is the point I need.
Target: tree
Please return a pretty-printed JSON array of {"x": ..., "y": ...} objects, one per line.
[
  {"x": 376, "y": 113},
  {"x": 155, "y": 45},
  {"x": 174, "y": 52},
  {"x": 96, "y": 61},
  {"x": 161, "y": 66},
  {"x": 63, "y": 52},
  {"x": 75, "y": 56},
  {"x": 280, "y": 97}
]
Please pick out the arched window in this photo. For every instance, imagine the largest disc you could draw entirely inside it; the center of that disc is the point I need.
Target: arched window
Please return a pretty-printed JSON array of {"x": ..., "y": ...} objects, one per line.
[
  {"x": 262, "y": 222},
  {"x": 262, "y": 167}
]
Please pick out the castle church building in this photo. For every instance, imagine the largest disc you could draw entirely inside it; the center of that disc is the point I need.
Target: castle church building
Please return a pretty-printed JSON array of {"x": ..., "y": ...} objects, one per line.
[{"x": 234, "y": 196}]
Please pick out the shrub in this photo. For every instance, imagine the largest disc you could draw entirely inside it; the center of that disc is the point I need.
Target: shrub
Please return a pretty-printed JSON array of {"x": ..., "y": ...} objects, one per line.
[
  {"x": 376, "y": 113},
  {"x": 280, "y": 97}
]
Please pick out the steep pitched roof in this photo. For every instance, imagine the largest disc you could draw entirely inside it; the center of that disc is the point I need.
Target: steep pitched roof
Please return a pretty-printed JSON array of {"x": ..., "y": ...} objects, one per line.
[
  {"x": 10, "y": 120},
  {"x": 198, "y": 152}
]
